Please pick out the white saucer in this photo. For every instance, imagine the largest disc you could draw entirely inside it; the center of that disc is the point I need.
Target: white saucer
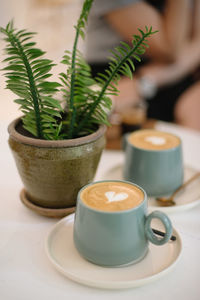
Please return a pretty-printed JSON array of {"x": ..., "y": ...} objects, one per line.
[
  {"x": 188, "y": 198},
  {"x": 61, "y": 252}
]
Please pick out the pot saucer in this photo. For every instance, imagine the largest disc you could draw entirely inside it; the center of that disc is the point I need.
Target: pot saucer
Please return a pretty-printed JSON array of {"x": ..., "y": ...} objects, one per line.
[
  {"x": 47, "y": 212},
  {"x": 186, "y": 199},
  {"x": 63, "y": 255}
]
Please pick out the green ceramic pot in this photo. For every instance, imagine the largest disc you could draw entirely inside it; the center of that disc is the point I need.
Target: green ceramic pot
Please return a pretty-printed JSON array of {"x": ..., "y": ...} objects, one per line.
[{"x": 54, "y": 171}]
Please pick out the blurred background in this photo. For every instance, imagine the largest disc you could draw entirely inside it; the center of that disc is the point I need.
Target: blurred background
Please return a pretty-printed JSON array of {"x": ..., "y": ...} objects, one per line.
[
  {"x": 53, "y": 20},
  {"x": 171, "y": 68}
]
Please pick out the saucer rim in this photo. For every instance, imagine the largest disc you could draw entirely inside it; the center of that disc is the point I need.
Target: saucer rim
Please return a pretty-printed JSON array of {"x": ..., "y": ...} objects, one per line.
[
  {"x": 178, "y": 207},
  {"x": 118, "y": 284}
]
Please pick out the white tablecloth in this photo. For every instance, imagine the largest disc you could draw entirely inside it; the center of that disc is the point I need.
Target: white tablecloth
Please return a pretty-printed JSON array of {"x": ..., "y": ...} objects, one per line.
[{"x": 27, "y": 274}]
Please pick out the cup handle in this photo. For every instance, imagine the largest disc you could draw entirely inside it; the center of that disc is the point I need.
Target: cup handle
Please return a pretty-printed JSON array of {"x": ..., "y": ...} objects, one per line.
[
  {"x": 167, "y": 224},
  {"x": 124, "y": 141}
]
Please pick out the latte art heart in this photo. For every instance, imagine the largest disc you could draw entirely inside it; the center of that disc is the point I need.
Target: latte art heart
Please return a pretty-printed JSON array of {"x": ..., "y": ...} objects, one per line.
[
  {"x": 155, "y": 140},
  {"x": 114, "y": 197}
]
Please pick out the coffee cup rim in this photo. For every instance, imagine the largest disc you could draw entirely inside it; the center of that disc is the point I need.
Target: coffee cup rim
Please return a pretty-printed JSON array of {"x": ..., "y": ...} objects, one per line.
[
  {"x": 112, "y": 212},
  {"x": 154, "y": 150}
]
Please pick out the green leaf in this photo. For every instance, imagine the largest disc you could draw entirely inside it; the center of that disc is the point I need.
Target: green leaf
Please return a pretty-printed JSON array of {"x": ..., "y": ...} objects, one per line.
[
  {"x": 136, "y": 57},
  {"x": 82, "y": 33},
  {"x": 26, "y": 77},
  {"x": 41, "y": 71},
  {"x": 47, "y": 118},
  {"x": 23, "y": 102},
  {"x": 52, "y": 102},
  {"x": 131, "y": 64},
  {"x": 125, "y": 45},
  {"x": 49, "y": 85},
  {"x": 12, "y": 57},
  {"x": 42, "y": 77},
  {"x": 31, "y": 129},
  {"x": 52, "y": 112},
  {"x": 14, "y": 68},
  {"x": 28, "y": 45}
]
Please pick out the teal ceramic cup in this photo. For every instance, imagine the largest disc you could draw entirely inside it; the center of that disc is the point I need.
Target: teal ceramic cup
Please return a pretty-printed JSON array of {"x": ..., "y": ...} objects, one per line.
[
  {"x": 159, "y": 172},
  {"x": 119, "y": 237}
]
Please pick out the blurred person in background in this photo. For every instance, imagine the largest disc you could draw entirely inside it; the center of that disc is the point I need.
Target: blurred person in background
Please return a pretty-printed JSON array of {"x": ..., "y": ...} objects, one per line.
[{"x": 169, "y": 76}]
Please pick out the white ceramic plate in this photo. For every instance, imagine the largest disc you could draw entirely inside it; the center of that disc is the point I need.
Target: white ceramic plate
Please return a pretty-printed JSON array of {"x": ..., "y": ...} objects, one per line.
[
  {"x": 63, "y": 255},
  {"x": 186, "y": 199}
]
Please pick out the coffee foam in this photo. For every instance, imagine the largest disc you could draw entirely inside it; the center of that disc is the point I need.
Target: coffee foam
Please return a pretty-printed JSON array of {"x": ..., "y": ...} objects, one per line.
[
  {"x": 153, "y": 139},
  {"x": 115, "y": 197},
  {"x": 112, "y": 196}
]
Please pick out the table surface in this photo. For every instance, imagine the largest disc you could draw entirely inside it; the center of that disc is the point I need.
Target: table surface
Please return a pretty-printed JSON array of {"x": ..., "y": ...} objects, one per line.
[{"x": 25, "y": 271}]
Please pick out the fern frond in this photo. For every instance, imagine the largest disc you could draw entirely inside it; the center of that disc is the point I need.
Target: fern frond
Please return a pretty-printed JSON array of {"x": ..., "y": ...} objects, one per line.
[
  {"x": 84, "y": 93},
  {"x": 79, "y": 32},
  {"x": 119, "y": 65},
  {"x": 26, "y": 74}
]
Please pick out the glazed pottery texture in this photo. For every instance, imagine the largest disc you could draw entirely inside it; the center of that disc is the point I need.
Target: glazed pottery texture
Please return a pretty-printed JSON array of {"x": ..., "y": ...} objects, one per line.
[{"x": 54, "y": 171}]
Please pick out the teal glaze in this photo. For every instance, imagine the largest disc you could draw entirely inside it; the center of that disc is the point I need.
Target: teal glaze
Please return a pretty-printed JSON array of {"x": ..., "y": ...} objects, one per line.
[
  {"x": 157, "y": 172},
  {"x": 115, "y": 238},
  {"x": 167, "y": 224}
]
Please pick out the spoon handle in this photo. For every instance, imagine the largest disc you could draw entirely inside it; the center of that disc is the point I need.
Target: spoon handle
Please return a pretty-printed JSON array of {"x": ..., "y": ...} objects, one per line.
[{"x": 185, "y": 184}]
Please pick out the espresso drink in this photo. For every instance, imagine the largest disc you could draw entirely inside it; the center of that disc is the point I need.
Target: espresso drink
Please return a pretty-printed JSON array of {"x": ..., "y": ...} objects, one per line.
[
  {"x": 133, "y": 119},
  {"x": 112, "y": 196},
  {"x": 151, "y": 139}
]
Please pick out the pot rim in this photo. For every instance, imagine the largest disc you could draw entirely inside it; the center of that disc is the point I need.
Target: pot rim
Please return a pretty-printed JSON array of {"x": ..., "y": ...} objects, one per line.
[{"x": 14, "y": 134}]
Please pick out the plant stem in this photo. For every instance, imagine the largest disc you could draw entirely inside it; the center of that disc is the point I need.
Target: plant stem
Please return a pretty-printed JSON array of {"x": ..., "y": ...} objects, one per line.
[
  {"x": 80, "y": 25},
  {"x": 72, "y": 108},
  {"x": 33, "y": 88}
]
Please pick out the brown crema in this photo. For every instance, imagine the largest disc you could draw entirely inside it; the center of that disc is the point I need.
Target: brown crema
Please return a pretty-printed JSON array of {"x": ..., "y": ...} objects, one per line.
[
  {"x": 112, "y": 196},
  {"x": 150, "y": 139}
]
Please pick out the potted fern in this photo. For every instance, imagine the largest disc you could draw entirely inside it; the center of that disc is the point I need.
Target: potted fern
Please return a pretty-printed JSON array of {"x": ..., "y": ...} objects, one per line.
[{"x": 57, "y": 147}]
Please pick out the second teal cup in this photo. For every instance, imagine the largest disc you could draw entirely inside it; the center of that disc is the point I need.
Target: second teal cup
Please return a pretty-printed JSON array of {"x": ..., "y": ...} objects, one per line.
[{"x": 158, "y": 171}]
